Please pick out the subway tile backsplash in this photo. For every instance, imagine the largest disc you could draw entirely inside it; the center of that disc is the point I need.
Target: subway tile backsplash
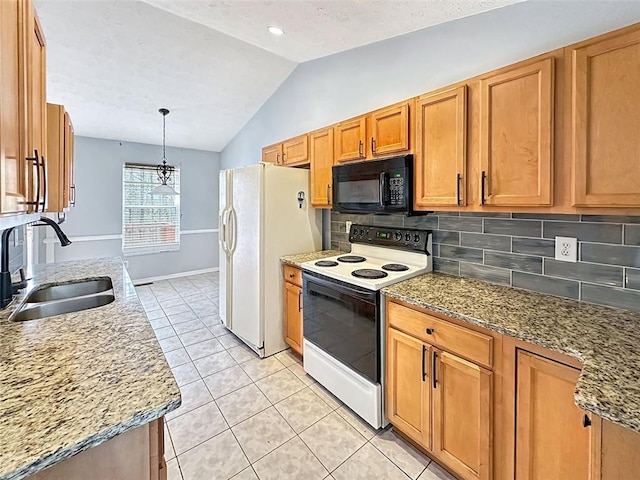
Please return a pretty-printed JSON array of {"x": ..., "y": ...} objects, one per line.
[{"x": 518, "y": 249}]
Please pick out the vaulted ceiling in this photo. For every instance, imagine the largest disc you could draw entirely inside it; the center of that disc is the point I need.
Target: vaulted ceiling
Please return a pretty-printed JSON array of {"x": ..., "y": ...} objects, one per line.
[{"x": 211, "y": 62}]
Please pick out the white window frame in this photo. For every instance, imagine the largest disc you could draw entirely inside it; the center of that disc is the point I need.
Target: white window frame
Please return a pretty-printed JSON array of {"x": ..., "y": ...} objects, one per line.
[{"x": 159, "y": 247}]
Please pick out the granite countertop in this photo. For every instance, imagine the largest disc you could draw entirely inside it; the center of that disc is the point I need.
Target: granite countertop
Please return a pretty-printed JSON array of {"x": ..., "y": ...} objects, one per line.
[
  {"x": 298, "y": 259},
  {"x": 606, "y": 340},
  {"x": 73, "y": 381}
]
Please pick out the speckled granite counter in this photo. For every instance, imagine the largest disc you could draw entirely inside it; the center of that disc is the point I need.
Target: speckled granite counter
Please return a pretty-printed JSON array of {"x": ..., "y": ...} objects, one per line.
[
  {"x": 71, "y": 382},
  {"x": 297, "y": 259},
  {"x": 606, "y": 340}
]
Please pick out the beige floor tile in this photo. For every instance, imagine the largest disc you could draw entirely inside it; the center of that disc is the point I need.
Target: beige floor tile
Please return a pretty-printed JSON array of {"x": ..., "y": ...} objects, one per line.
[
  {"x": 242, "y": 404},
  {"x": 262, "y": 433},
  {"x": 299, "y": 372},
  {"x": 219, "y": 458},
  {"x": 303, "y": 409},
  {"x": 242, "y": 354},
  {"x": 228, "y": 340},
  {"x": 165, "y": 332},
  {"x": 410, "y": 460},
  {"x": 169, "y": 451},
  {"x": 326, "y": 395},
  {"x": 332, "y": 440},
  {"x": 195, "y": 336},
  {"x": 214, "y": 363},
  {"x": 173, "y": 470},
  {"x": 262, "y": 367},
  {"x": 189, "y": 326},
  {"x": 185, "y": 374},
  {"x": 178, "y": 357},
  {"x": 280, "y": 385},
  {"x": 160, "y": 322},
  {"x": 367, "y": 464},
  {"x": 204, "y": 349},
  {"x": 246, "y": 474},
  {"x": 196, "y": 426},
  {"x": 194, "y": 395},
  {"x": 227, "y": 381},
  {"x": 435, "y": 472},
  {"x": 287, "y": 358},
  {"x": 171, "y": 302},
  {"x": 177, "y": 318},
  {"x": 177, "y": 310},
  {"x": 363, "y": 428},
  {"x": 291, "y": 461},
  {"x": 214, "y": 324},
  {"x": 169, "y": 344}
]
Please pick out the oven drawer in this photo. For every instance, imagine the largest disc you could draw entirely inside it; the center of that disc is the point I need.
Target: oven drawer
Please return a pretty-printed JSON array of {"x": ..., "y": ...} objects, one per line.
[
  {"x": 459, "y": 340},
  {"x": 293, "y": 275}
]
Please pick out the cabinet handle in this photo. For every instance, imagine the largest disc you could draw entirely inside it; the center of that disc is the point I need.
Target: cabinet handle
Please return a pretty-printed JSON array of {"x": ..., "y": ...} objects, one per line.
[
  {"x": 291, "y": 275},
  {"x": 360, "y": 149},
  {"x": 458, "y": 179},
  {"x": 424, "y": 372},
  {"x": 373, "y": 146},
  {"x": 482, "y": 186},
  {"x": 284, "y": 158},
  {"x": 586, "y": 421},
  {"x": 433, "y": 373},
  {"x": 300, "y": 301},
  {"x": 36, "y": 164},
  {"x": 328, "y": 194},
  {"x": 73, "y": 202},
  {"x": 44, "y": 183},
  {"x": 277, "y": 159},
  {"x": 430, "y": 331}
]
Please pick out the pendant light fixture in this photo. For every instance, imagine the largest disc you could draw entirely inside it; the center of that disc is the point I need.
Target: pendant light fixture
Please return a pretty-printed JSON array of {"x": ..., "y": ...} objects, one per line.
[{"x": 164, "y": 171}]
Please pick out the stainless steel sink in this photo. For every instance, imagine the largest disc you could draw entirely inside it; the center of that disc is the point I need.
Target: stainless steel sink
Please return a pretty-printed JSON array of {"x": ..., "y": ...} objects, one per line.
[
  {"x": 76, "y": 289},
  {"x": 44, "y": 310}
]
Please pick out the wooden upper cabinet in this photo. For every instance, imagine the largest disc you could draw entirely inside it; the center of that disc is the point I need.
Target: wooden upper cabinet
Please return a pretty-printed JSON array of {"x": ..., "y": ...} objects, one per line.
[
  {"x": 295, "y": 151},
  {"x": 349, "y": 138},
  {"x": 60, "y": 140},
  {"x": 13, "y": 184},
  {"x": 551, "y": 441},
  {"x": 321, "y": 158},
  {"x": 408, "y": 389},
  {"x": 605, "y": 121},
  {"x": 516, "y": 135},
  {"x": 462, "y": 406},
  {"x": 69, "y": 162},
  {"x": 272, "y": 154},
  {"x": 441, "y": 149},
  {"x": 390, "y": 130}
]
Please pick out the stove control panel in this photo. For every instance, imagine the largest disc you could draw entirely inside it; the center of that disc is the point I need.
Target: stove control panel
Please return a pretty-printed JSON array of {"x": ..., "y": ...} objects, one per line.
[{"x": 402, "y": 238}]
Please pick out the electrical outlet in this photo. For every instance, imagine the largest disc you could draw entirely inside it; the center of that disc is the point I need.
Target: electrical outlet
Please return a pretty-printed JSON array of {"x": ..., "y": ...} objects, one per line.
[
  {"x": 567, "y": 249},
  {"x": 347, "y": 225}
]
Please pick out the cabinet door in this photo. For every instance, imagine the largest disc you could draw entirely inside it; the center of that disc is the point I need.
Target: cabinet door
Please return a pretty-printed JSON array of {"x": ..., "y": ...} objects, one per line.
[
  {"x": 390, "y": 130},
  {"x": 462, "y": 415},
  {"x": 295, "y": 151},
  {"x": 441, "y": 149},
  {"x": 605, "y": 121},
  {"x": 408, "y": 388},
  {"x": 321, "y": 157},
  {"x": 620, "y": 452},
  {"x": 272, "y": 154},
  {"x": 516, "y": 136},
  {"x": 551, "y": 441},
  {"x": 69, "y": 162},
  {"x": 293, "y": 316},
  {"x": 349, "y": 139},
  {"x": 13, "y": 186},
  {"x": 56, "y": 158}
]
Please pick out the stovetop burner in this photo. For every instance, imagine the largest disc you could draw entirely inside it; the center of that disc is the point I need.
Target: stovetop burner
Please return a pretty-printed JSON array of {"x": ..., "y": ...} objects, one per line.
[
  {"x": 326, "y": 263},
  {"x": 395, "y": 267},
  {"x": 369, "y": 273},
  {"x": 351, "y": 259}
]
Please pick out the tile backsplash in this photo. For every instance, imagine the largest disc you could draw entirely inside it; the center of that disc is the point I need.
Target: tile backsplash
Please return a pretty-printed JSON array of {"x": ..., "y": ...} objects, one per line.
[
  {"x": 518, "y": 249},
  {"x": 16, "y": 249}
]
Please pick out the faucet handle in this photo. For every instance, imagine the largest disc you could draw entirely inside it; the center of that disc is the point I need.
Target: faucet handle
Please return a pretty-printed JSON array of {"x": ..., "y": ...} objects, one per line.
[{"x": 17, "y": 286}]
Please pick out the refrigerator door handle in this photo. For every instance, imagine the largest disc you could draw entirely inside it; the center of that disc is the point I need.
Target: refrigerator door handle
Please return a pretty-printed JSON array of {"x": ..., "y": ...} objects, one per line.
[
  {"x": 233, "y": 222},
  {"x": 223, "y": 230}
]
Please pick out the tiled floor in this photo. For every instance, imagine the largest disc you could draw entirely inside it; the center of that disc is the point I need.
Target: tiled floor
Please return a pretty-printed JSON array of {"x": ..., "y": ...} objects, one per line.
[{"x": 246, "y": 418}]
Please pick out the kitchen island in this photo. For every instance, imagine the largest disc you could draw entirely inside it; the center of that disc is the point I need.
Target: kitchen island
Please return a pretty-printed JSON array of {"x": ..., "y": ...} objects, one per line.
[{"x": 75, "y": 381}]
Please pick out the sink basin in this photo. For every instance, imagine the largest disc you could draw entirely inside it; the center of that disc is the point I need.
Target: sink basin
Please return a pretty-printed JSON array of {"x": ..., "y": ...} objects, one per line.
[
  {"x": 69, "y": 290},
  {"x": 44, "y": 310}
]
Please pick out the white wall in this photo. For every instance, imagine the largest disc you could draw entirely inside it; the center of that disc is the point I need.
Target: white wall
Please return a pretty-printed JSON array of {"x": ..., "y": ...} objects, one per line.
[
  {"x": 330, "y": 89},
  {"x": 98, "y": 179}
]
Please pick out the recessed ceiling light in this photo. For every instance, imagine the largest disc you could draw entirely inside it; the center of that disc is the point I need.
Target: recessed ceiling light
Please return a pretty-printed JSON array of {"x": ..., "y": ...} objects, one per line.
[{"x": 277, "y": 31}]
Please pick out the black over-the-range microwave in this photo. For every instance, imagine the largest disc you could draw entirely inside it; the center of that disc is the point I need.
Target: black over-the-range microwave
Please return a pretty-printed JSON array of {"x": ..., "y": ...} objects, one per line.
[{"x": 374, "y": 186}]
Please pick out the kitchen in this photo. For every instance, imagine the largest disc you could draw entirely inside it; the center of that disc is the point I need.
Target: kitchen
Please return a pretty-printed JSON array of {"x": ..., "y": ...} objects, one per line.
[{"x": 504, "y": 162}]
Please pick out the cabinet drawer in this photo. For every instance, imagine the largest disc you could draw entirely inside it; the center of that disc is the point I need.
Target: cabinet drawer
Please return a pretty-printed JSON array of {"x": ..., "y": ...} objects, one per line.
[
  {"x": 459, "y": 340},
  {"x": 293, "y": 275}
]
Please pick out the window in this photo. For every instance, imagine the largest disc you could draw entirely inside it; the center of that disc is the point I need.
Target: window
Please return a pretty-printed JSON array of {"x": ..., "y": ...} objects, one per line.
[{"x": 150, "y": 223}]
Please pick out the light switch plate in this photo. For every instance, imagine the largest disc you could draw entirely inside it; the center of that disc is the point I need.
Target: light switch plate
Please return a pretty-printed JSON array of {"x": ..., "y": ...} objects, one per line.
[
  {"x": 347, "y": 225},
  {"x": 567, "y": 249}
]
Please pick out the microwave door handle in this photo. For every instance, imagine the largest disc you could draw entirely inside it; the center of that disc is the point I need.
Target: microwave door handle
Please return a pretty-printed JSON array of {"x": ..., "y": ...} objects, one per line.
[{"x": 383, "y": 189}]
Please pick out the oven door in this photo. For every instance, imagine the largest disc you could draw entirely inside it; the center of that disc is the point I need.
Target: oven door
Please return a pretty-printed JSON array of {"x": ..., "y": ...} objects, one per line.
[{"x": 343, "y": 320}]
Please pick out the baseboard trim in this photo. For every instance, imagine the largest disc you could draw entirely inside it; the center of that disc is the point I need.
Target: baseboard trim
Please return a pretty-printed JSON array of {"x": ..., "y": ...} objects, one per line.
[{"x": 138, "y": 281}]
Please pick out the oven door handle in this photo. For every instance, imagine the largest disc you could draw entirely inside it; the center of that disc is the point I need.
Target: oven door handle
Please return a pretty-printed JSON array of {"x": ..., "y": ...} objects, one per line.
[{"x": 338, "y": 287}]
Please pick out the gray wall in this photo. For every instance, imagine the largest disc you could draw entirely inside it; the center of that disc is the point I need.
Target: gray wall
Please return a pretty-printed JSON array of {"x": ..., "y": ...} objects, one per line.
[
  {"x": 98, "y": 179},
  {"x": 330, "y": 89},
  {"x": 519, "y": 249}
]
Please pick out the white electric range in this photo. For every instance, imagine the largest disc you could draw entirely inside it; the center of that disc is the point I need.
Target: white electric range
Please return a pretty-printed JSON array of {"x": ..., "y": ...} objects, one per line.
[{"x": 343, "y": 318}]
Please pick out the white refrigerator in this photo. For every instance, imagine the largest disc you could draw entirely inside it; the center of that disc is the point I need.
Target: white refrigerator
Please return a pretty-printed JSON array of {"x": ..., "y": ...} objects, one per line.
[{"x": 264, "y": 214}]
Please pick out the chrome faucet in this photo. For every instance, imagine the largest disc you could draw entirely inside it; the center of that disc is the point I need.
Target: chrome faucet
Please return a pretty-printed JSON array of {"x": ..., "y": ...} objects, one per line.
[{"x": 8, "y": 289}]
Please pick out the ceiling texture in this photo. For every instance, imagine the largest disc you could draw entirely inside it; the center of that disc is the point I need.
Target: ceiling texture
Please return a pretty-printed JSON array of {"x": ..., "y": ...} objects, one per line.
[{"x": 113, "y": 64}]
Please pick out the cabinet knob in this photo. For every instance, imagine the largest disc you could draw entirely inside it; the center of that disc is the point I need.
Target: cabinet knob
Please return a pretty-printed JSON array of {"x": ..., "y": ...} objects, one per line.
[
  {"x": 586, "y": 421},
  {"x": 430, "y": 331},
  {"x": 291, "y": 275}
]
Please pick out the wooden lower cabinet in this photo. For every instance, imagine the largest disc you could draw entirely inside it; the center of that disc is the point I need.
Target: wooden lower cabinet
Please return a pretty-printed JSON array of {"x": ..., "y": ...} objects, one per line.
[
  {"x": 293, "y": 309},
  {"x": 617, "y": 452}
]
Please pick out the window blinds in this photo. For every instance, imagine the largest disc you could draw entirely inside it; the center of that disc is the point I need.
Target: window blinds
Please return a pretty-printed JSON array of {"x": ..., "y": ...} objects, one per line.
[{"x": 150, "y": 223}]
